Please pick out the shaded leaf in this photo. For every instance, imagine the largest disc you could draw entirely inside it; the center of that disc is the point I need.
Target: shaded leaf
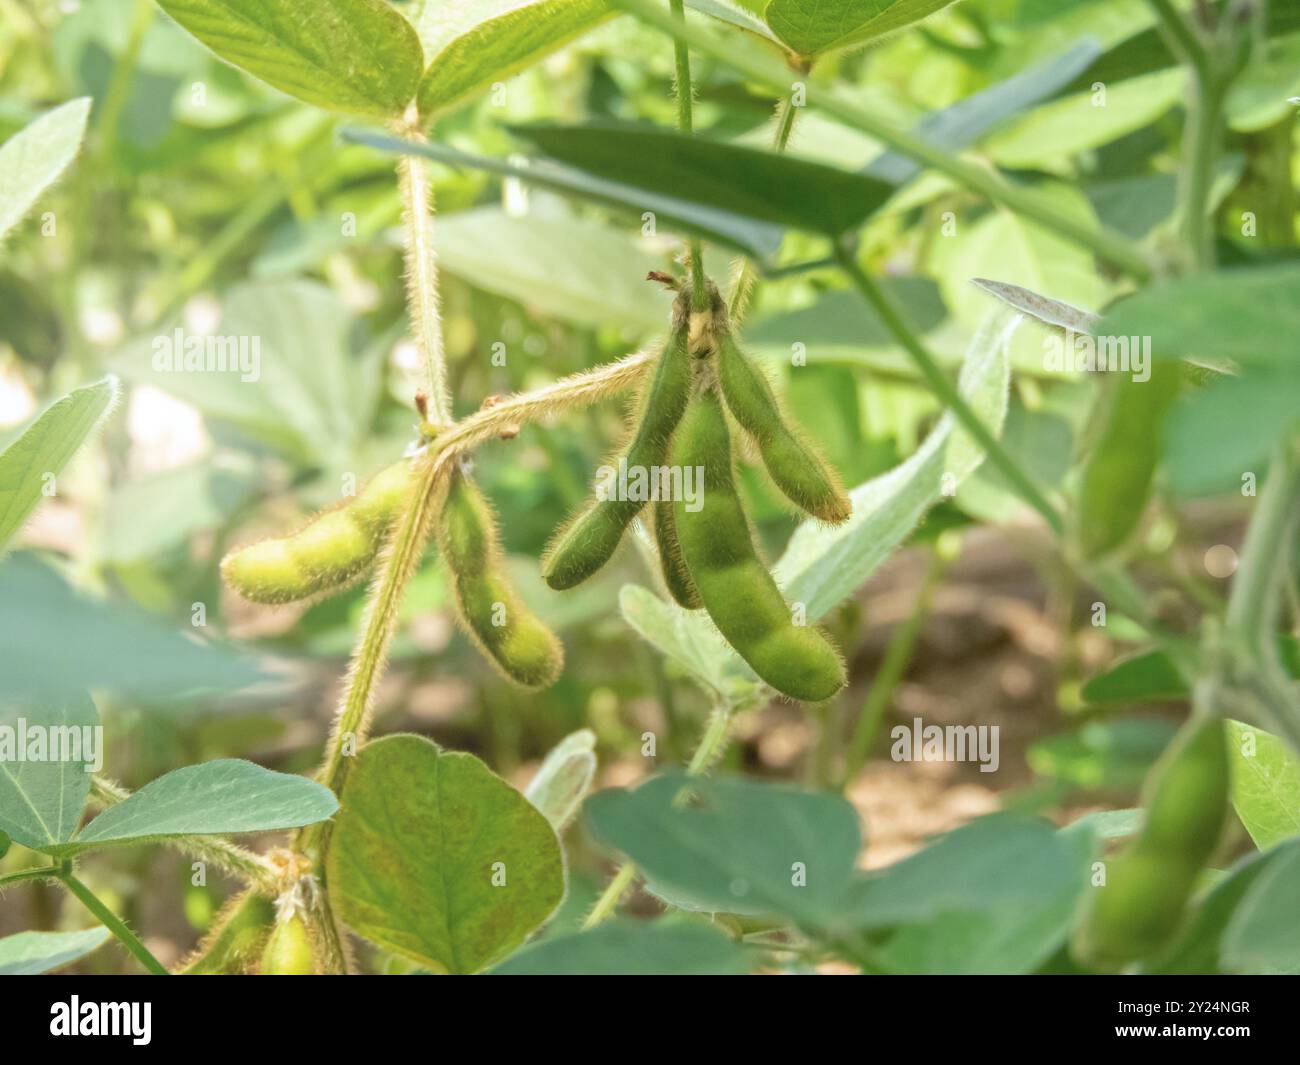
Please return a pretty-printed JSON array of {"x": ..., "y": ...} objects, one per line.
[
  {"x": 29, "y": 953},
  {"x": 437, "y": 859},
  {"x": 1263, "y": 935},
  {"x": 42, "y": 793},
  {"x": 632, "y": 948},
  {"x": 814, "y": 27}
]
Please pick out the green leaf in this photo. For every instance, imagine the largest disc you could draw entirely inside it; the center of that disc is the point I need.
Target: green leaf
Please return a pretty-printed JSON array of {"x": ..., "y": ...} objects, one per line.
[
  {"x": 33, "y": 158},
  {"x": 815, "y": 27},
  {"x": 29, "y": 465},
  {"x": 29, "y": 953},
  {"x": 1198, "y": 946},
  {"x": 757, "y": 239},
  {"x": 1249, "y": 315},
  {"x": 632, "y": 948},
  {"x": 739, "y": 846},
  {"x": 995, "y": 896},
  {"x": 496, "y": 47},
  {"x": 291, "y": 377},
  {"x": 42, "y": 794},
  {"x": 355, "y": 56},
  {"x": 222, "y": 797},
  {"x": 1263, "y": 935},
  {"x": 1147, "y": 677},
  {"x": 1265, "y": 784},
  {"x": 564, "y": 778},
  {"x": 1111, "y": 755},
  {"x": 56, "y": 640},
  {"x": 823, "y": 564},
  {"x": 567, "y": 266},
  {"x": 776, "y": 189},
  {"x": 1044, "y": 309},
  {"x": 438, "y": 860}
]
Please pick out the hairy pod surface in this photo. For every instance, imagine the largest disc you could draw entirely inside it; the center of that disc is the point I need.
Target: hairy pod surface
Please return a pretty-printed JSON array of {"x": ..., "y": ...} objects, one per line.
[
  {"x": 236, "y": 938},
  {"x": 589, "y": 541},
  {"x": 1147, "y": 887},
  {"x": 288, "y": 950},
  {"x": 330, "y": 552},
  {"x": 794, "y": 462},
  {"x": 500, "y": 623},
  {"x": 733, "y": 583},
  {"x": 677, "y": 578},
  {"x": 1118, "y": 475}
]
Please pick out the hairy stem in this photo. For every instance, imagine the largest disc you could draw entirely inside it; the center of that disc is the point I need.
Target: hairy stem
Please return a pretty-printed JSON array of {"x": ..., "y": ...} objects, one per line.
[
  {"x": 112, "y": 922},
  {"x": 686, "y": 123},
  {"x": 774, "y": 75},
  {"x": 422, "y": 272}
]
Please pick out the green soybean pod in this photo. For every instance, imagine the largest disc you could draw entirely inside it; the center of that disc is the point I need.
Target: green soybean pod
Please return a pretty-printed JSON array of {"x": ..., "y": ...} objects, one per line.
[
  {"x": 1117, "y": 476},
  {"x": 677, "y": 579},
  {"x": 587, "y": 542},
  {"x": 1141, "y": 905},
  {"x": 236, "y": 938},
  {"x": 333, "y": 549},
  {"x": 734, "y": 584},
  {"x": 498, "y": 620},
  {"x": 288, "y": 950},
  {"x": 794, "y": 462}
]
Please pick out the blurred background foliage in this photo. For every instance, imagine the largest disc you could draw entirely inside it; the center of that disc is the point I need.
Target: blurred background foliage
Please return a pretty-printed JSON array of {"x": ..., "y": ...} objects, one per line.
[{"x": 205, "y": 200}]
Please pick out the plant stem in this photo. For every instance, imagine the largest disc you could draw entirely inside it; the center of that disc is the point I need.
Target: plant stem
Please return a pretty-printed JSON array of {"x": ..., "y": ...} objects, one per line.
[
  {"x": 710, "y": 749},
  {"x": 742, "y": 285},
  {"x": 1186, "y": 38},
  {"x": 686, "y": 123},
  {"x": 422, "y": 271},
  {"x": 774, "y": 75},
  {"x": 43, "y": 872},
  {"x": 111, "y": 921},
  {"x": 897, "y": 655},
  {"x": 947, "y": 392}
]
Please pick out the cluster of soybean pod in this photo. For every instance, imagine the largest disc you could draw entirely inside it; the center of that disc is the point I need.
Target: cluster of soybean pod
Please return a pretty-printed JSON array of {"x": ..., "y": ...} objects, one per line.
[{"x": 709, "y": 558}]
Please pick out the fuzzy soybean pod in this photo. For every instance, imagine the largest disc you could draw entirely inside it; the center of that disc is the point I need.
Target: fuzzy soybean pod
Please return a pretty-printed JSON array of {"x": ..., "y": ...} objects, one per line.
[
  {"x": 589, "y": 540},
  {"x": 793, "y": 461},
  {"x": 1118, "y": 475},
  {"x": 500, "y": 623},
  {"x": 677, "y": 579},
  {"x": 288, "y": 950},
  {"x": 332, "y": 550},
  {"x": 1147, "y": 887},
  {"x": 734, "y": 584},
  {"x": 236, "y": 939}
]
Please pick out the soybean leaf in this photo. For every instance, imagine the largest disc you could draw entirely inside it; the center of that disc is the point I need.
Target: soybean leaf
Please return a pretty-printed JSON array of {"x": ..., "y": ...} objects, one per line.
[
  {"x": 512, "y": 36},
  {"x": 1152, "y": 676},
  {"x": 776, "y": 189},
  {"x": 1198, "y": 946},
  {"x": 1114, "y": 755},
  {"x": 1263, "y": 935},
  {"x": 48, "y": 748},
  {"x": 1265, "y": 784},
  {"x": 355, "y": 56},
  {"x": 632, "y": 948},
  {"x": 743, "y": 15},
  {"x": 953, "y": 908},
  {"x": 29, "y": 953},
  {"x": 573, "y": 268},
  {"x": 815, "y": 28},
  {"x": 824, "y": 564},
  {"x": 53, "y": 640},
  {"x": 1050, "y": 312},
  {"x": 1249, "y": 315},
  {"x": 756, "y": 238},
  {"x": 438, "y": 860},
  {"x": 222, "y": 797},
  {"x": 30, "y": 465},
  {"x": 564, "y": 778},
  {"x": 738, "y": 846},
  {"x": 34, "y": 157}
]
